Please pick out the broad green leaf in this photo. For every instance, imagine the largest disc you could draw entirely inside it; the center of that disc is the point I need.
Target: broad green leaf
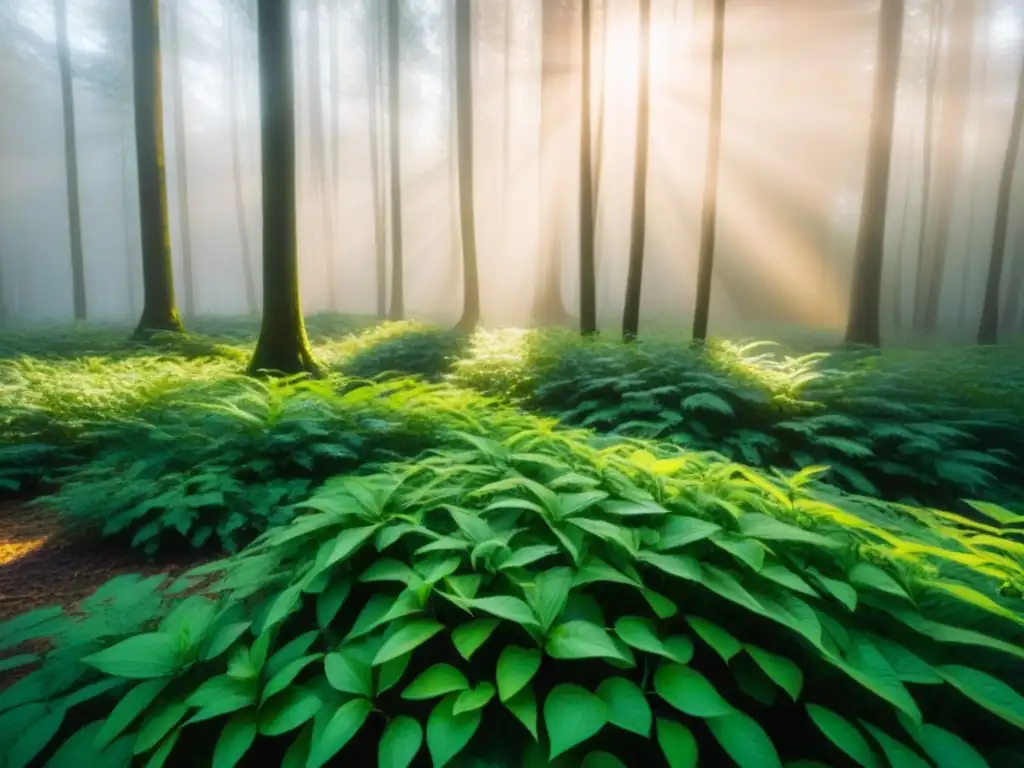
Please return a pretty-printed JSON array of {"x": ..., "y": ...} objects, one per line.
[
  {"x": 292, "y": 650},
  {"x": 400, "y": 742},
  {"x": 34, "y": 738},
  {"x": 844, "y": 735},
  {"x": 760, "y": 526},
  {"x": 348, "y": 672},
  {"x": 329, "y": 602},
  {"x": 387, "y": 569},
  {"x": 601, "y": 760},
  {"x": 149, "y": 655},
  {"x": 447, "y": 732},
  {"x": 549, "y": 594},
  {"x": 992, "y": 694},
  {"x": 572, "y": 715},
  {"x": 872, "y": 577},
  {"x": 221, "y": 640},
  {"x": 470, "y": 636},
  {"x": 371, "y": 616},
  {"x": 438, "y": 680},
  {"x": 344, "y": 724},
  {"x": 899, "y": 755},
  {"x": 284, "y": 677},
  {"x": 840, "y": 590},
  {"x": 159, "y": 757},
  {"x": 131, "y": 705},
  {"x": 408, "y": 637},
  {"x": 236, "y": 738},
  {"x": 946, "y": 749},
  {"x": 286, "y": 602},
  {"x": 288, "y": 710},
  {"x": 583, "y": 640},
  {"x": 524, "y": 556},
  {"x": 744, "y": 741},
  {"x": 473, "y": 699},
  {"x": 721, "y": 642},
  {"x": 677, "y": 744},
  {"x": 516, "y": 668},
  {"x": 220, "y": 695},
  {"x": 158, "y": 724},
  {"x": 389, "y": 674},
  {"x": 504, "y": 607},
  {"x": 349, "y": 541},
  {"x": 639, "y": 633},
  {"x": 79, "y": 749},
  {"x": 748, "y": 551},
  {"x": 524, "y": 706},
  {"x": 784, "y": 672},
  {"x": 627, "y": 705},
  {"x": 678, "y": 531},
  {"x": 689, "y": 691}
]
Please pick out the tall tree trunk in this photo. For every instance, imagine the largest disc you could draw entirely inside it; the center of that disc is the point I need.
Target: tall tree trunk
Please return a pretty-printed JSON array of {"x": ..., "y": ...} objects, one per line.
[
  {"x": 588, "y": 272},
  {"x": 334, "y": 91},
  {"x": 464, "y": 91},
  {"x": 282, "y": 346},
  {"x": 988, "y": 328},
  {"x": 949, "y": 159},
  {"x": 373, "y": 122},
  {"x": 709, "y": 212},
  {"x": 318, "y": 147},
  {"x": 506, "y": 130},
  {"x": 397, "y": 311},
  {"x": 454, "y": 223},
  {"x": 1015, "y": 283},
  {"x": 126, "y": 212},
  {"x": 862, "y": 325},
  {"x": 70, "y": 160},
  {"x": 897, "y": 288},
  {"x": 638, "y": 229},
  {"x": 159, "y": 312},
  {"x": 236, "y": 163},
  {"x": 181, "y": 162}
]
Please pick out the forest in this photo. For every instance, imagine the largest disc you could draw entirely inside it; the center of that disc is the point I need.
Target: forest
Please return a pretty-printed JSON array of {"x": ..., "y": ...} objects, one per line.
[{"x": 512, "y": 383}]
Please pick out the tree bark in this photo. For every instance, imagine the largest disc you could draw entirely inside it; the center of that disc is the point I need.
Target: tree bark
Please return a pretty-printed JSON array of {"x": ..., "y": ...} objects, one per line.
[
  {"x": 709, "y": 212},
  {"x": 638, "y": 229},
  {"x": 372, "y": 66},
  {"x": 454, "y": 223},
  {"x": 181, "y": 163},
  {"x": 397, "y": 311},
  {"x": 467, "y": 216},
  {"x": 1015, "y": 284},
  {"x": 988, "y": 328},
  {"x": 159, "y": 311},
  {"x": 588, "y": 272},
  {"x": 71, "y": 160},
  {"x": 865, "y": 294},
  {"x": 282, "y": 346}
]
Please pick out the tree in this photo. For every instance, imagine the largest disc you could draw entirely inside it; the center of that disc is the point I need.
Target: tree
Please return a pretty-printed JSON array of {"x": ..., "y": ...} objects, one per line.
[
  {"x": 709, "y": 212},
  {"x": 638, "y": 227},
  {"x": 318, "y": 144},
  {"x": 71, "y": 160},
  {"x": 181, "y": 162},
  {"x": 862, "y": 325},
  {"x": 372, "y": 64},
  {"x": 159, "y": 312},
  {"x": 988, "y": 328},
  {"x": 467, "y": 217},
  {"x": 397, "y": 311},
  {"x": 588, "y": 273},
  {"x": 282, "y": 346}
]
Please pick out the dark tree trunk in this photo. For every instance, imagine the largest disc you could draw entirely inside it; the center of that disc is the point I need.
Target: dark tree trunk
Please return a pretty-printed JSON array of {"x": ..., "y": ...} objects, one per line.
[
  {"x": 234, "y": 105},
  {"x": 373, "y": 122},
  {"x": 464, "y": 92},
  {"x": 318, "y": 146},
  {"x": 159, "y": 312},
  {"x": 397, "y": 311},
  {"x": 588, "y": 272},
  {"x": 71, "y": 160},
  {"x": 282, "y": 346},
  {"x": 638, "y": 228},
  {"x": 181, "y": 164},
  {"x": 988, "y": 329},
  {"x": 862, "y": 325},
  {"x": 709, "y": 212}
]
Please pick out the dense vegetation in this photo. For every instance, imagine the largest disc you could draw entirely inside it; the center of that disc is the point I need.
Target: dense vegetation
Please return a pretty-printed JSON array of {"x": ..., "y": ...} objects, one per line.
[{"x": 723, "y": 554}]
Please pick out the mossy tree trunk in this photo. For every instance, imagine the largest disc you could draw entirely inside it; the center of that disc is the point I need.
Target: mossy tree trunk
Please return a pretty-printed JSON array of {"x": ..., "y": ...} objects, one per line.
[
  {"x": 282, "y": 347},
  {"x": 863, "y": 322},
  {"x": 397, "y": 311},
  {"x": 159, "y": 312},
  {"x": 464, "y": 117},
  {"x": 588, "y": 272}
]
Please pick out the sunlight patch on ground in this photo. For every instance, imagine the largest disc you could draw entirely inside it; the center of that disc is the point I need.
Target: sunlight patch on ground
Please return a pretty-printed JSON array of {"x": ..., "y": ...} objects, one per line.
[{"x": 12, "y": 550}]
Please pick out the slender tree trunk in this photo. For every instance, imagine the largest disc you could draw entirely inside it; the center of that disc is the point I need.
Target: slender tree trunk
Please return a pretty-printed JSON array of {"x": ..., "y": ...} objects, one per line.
[
  {"x": 506, "y": 130},
  {"x": 865, "y": 294},
  {"x": 181, "y": 162},
  {"x": 1015, "y": 284},
  {"x": 334, "y": 90},
  {"x": 454, "y": 223},
  {"x": 464, "y": 92},
  {"x": 373, "y": 121},
  {"x": 588, "y": 272},
  {"x": 988, "y": 328},
  {"x": 397, "y": 311},
  {"x": 126, "y": 213},
  {"x": 236, "y": 164},
  {"x": 318, "y": 147},
  {"x": 897, "y": 290},
  {"x": 159, "y": 312},
  {"x": 282, "y": 346},
  {"x": 638, "y": 229},
  {"x": 71, "y": 160},
  {"x": 709, "y": 213}
]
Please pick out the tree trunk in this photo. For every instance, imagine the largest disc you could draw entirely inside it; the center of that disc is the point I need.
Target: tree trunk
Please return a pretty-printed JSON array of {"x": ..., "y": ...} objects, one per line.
[
  {"x": 181, "y": 162},
  {"x": 464, "y": 93},
  {"x": 949, "y": 160},
  {"x": 638, "y": 228},
  {"x": 71, "y": 160},
  {"x": 318, "y": 147},
  {"x": 236, "y": 164},
  {"x": 282, "y": 346},
  {"x": 988, "y": 329},
  {"x": 588, "y": 272},
  {"x": 159, "y": 312},
  {"x": 454, "y": 223},
  {"x": 506, "y": 130},
  {"x": 709, "y": 212},
  {"x": 126, "y": 212},
  {"x": 865, "y": 294},
  {"x": 373, "y": 121},
  {"x": 397, "y": 311},
  {"x": 334, "y": 91},
  {"x": 1015, "y": 286}
]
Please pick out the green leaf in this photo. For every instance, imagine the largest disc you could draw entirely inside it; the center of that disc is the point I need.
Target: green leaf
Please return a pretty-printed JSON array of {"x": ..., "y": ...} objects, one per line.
[
  {"x": 390, "y": 673},
  {"x": 844, "y": 735},
  {"x": 528, "y": 555},
  {"x": 400, "y": 742},
  {"x": 946, "y": 749},
  {"x": 13, "y": 662},
  {"x": 689, "y": 691},
  {"x": 236, "y": 738},
  {"x": 872, "y": 577},
  {"x": 677, "y": 744},
  {"x": 748, "y": 551},
  {"x": 220, "y": 695},
  {"x": 572, "y": 715},
  {"x": 601, "y": 760},
  {"x": 408, "y": 637},
  {"x": 371, "y": 616},
  {"x": 149, "y": 655},
  {"x": 678, "y": 531},
  {"x": 337, "y": 732},
  {"x": 158, "y": 724},
  {"x": 329, "y": 602},
  {"x": 78, "y": 750},
  {"x": 721, "y": 642},
  {"x": 840, "y": 590},
  {"x": 549, "y": 594},
  {"x": 627, "y": 705},
  {"x": 707, "y": 401},
  {"x": 447, "y": 732},
  {"x": 286, "y": 602},
  {"x": 583, "y": 640},
  {"x": 34, "y": 738},
  {"x": 899, "y": 755},
  {"x": 509, "y": 608},
  {"x": 473, "y": 699},
  {"x": 348, "y": 672},
  {"x": 131, "y": 705},
  {"x": 992, "y": 694},
  {"x": 284, "y": 677},
  {"x": 438, "y": 680},
  {"x": 470, "y": 636},
  {"x": 761, "y": 526},
  {"x": 524, "y": 706},
  {"x": 784, "y": 672},
  {"x": 159, "y": 757},
  {"x": 223, "y": 639},
  {"x": 744, "y": 741},
  {"x": 516, "y": 668},
  {"x": 288, "y": 710}
]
